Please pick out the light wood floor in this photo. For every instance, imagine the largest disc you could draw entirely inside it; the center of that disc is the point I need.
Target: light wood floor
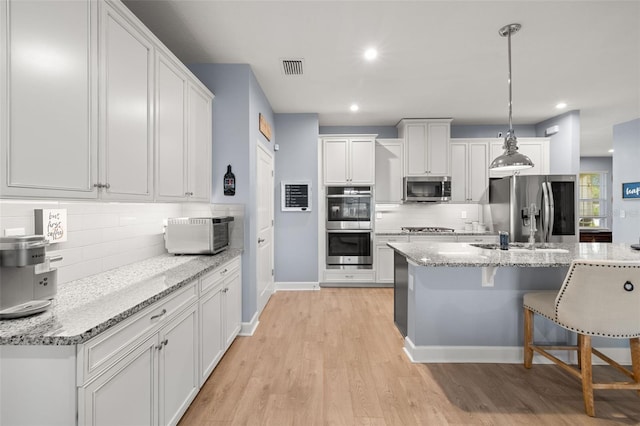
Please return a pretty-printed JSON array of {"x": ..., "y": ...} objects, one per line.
[{"x": 334, "y": 357}]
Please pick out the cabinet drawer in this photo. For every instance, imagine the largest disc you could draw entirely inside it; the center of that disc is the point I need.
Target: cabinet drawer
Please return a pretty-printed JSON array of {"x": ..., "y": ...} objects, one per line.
[
  {"x": 384, "y": 239},
  {"x": 217, "y": 275},
  {"x": 109, "y": 347},
  {"x": 346, "y": 276}
]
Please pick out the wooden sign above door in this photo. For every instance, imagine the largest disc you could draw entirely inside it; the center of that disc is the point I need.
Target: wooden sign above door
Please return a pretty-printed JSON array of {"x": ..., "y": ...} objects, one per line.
[{"x": 265, "y": 128}]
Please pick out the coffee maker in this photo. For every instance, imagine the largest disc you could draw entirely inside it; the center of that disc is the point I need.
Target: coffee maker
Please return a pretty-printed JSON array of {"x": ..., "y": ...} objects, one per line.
[{"x": 28, "y": 283}]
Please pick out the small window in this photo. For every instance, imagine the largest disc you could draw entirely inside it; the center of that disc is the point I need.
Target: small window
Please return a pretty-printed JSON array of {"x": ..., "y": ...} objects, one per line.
[{"x": 594, "y": 209}]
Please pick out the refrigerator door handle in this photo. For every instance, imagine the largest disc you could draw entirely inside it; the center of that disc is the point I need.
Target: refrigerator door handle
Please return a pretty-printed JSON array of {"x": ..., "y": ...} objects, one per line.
[
  {"x": 545, "y": 213},
  {"x": 552, "y": 212}
]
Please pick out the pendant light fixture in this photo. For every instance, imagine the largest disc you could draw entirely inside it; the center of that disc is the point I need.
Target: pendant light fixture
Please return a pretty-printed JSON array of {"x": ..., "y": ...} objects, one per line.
[{"x": 511, "y": 159}]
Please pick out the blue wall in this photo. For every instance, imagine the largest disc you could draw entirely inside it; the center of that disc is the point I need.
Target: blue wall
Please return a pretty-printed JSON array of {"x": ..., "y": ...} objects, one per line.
[
  {"x": 626, "y": 146},
  {"x": 230, "y": 107},
  {"x": 296, "y": 233},
  {"x": 237, "y": 103},
  {"x": 564, "y": 146}
]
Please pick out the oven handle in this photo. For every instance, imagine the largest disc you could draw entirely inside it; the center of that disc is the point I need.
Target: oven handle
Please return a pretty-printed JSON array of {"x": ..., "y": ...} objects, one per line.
[
  {"x": 350, "y": 231},
  {"x": 367, "y": 195}
]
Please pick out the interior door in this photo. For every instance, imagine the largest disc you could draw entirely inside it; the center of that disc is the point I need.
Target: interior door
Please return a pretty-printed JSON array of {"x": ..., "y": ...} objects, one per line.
[{"x": 265, "y": 197}]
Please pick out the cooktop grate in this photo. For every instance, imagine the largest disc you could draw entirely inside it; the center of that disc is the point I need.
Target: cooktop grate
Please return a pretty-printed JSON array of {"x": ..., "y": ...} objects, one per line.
[{"x": 417, "y": 229}]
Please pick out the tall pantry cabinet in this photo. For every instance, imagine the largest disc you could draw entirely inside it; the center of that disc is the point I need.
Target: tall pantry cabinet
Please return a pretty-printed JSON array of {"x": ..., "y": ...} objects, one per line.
[{"x": 78, "y": 106}]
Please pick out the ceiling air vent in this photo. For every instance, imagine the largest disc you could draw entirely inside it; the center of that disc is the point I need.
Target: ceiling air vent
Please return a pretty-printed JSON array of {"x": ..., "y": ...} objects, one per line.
[{"x": 292, "y": 66}]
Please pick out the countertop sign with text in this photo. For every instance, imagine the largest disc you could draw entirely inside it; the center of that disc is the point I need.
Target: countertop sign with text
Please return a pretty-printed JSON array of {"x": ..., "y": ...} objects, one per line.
[
  {"x": 52, "y": 223},
  {"x": 631, "y": 190}
]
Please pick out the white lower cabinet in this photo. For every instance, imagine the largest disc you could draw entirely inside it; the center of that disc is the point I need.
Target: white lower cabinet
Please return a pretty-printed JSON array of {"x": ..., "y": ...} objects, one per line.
[
  {"x": 384, "y": 257},
  {"x": 148, "y": 369},
  {"x": 178, "y": 366},
  {"x": 153, "y": 384},
  {"x": 220, "y": 314},
  {"x": 126, "y": 393}
]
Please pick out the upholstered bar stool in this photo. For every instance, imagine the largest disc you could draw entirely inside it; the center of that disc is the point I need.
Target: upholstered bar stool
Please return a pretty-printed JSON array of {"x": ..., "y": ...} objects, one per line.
[{"x": 597, "y": 298}]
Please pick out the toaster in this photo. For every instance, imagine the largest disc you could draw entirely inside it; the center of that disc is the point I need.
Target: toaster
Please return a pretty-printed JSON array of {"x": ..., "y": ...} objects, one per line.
[{"x": 197, "y": 235}]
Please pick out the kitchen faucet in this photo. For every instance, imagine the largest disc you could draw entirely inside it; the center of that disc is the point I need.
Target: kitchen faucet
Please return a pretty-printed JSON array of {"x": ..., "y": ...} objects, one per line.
[{"x": 532, "y": 226}]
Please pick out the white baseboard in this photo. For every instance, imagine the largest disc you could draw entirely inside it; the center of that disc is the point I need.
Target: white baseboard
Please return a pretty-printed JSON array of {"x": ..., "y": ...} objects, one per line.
[
  {"x": 248, "y": 328},
  {"x": 497, "y": 354},
  {"x": 300, "y": 286}
]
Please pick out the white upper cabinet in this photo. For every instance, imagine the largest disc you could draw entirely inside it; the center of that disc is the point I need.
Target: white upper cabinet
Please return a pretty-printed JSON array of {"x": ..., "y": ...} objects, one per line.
[
  {"x": 469, "y": 170},
  {"x": 183, "y": 135},
  {"x": 80, "y": 91},
  {"x": 126, "y": 101},
  {"x": 48, "y": 83},
  {"x": 389, "y": 170},
  {"x": 199, "y": 144},
  {"x": 171, "y": 130},
  {"x": 426, "y": 146},
  {"x": 535, "y": 148},
  {"x": 349, "y": 160}
]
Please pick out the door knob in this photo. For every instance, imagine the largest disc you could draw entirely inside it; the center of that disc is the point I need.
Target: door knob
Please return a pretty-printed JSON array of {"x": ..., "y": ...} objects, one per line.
[{"x": 260, "y": 240}]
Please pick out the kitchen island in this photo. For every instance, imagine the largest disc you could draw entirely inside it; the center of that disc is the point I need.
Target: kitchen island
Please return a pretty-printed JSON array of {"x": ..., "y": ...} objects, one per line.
[{"x": 459, "y": 302}]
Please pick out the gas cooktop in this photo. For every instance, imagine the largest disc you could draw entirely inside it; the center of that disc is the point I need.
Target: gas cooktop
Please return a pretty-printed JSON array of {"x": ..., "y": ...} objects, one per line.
[{"x": 424, "y": 229}]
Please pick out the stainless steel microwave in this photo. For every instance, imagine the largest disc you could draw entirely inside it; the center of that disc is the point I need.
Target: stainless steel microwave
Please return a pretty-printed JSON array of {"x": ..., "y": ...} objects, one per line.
[{"x": 427, "y": 189}]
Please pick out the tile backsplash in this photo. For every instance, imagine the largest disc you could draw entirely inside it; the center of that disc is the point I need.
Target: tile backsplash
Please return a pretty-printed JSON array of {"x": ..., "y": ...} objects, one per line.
[
  {"x": 102, "y": 236},
  {"x": 448, "y": 215}
]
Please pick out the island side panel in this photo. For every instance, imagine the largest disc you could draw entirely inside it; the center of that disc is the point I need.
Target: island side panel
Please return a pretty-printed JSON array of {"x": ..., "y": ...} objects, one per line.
[
  {"x": 400, "y": 292},
  {"x": 449, "y": 308}
]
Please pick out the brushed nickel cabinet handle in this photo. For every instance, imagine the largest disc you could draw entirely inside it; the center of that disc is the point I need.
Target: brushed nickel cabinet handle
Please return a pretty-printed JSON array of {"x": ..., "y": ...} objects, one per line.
[{"x": 164, "y": 311}]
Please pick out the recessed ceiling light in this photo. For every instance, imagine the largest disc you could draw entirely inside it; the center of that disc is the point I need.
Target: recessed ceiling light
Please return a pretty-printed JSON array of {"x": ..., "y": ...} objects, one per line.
[
  {"x": 561, "y": 105},
  {"x": 611, "y": 150},
  {"x": 370, "y": 54},
  {"x": 354, "y": 107}
]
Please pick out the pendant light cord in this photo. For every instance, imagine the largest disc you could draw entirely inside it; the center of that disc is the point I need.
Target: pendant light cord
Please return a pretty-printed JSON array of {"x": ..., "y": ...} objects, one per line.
[{"x": 510, "y": 101}]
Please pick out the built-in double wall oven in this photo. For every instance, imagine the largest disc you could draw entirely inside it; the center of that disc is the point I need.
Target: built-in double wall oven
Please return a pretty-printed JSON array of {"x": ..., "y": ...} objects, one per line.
[{"x": 349, "y": 227}]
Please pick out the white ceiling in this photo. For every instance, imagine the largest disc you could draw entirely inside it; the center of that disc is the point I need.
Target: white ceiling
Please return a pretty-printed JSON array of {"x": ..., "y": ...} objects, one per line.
[{"x": 436, "y": 58}]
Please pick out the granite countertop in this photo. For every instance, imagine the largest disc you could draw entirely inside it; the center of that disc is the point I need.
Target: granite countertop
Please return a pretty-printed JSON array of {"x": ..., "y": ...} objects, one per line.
[
  {"x": 455, "y": 233},
  {"x": 85, "y": 308},
  {"x": 464, "y": 254}
]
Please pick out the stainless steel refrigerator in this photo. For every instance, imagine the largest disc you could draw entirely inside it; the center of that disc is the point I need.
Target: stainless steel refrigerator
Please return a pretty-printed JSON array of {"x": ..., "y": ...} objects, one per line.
[{"x": 555, "y": 212}]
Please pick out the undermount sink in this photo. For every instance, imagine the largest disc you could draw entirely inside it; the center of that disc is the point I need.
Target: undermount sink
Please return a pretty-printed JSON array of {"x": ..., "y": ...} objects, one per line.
[{"x": 522, "y": 248}]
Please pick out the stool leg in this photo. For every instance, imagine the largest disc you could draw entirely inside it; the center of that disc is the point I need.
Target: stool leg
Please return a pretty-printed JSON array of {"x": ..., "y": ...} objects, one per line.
[
  {"x": 587, "y": 375},
  {"x": 579, "y": 346},
  {"x": 634, "y": 344},
  {"x": 528, "y": 337}
]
